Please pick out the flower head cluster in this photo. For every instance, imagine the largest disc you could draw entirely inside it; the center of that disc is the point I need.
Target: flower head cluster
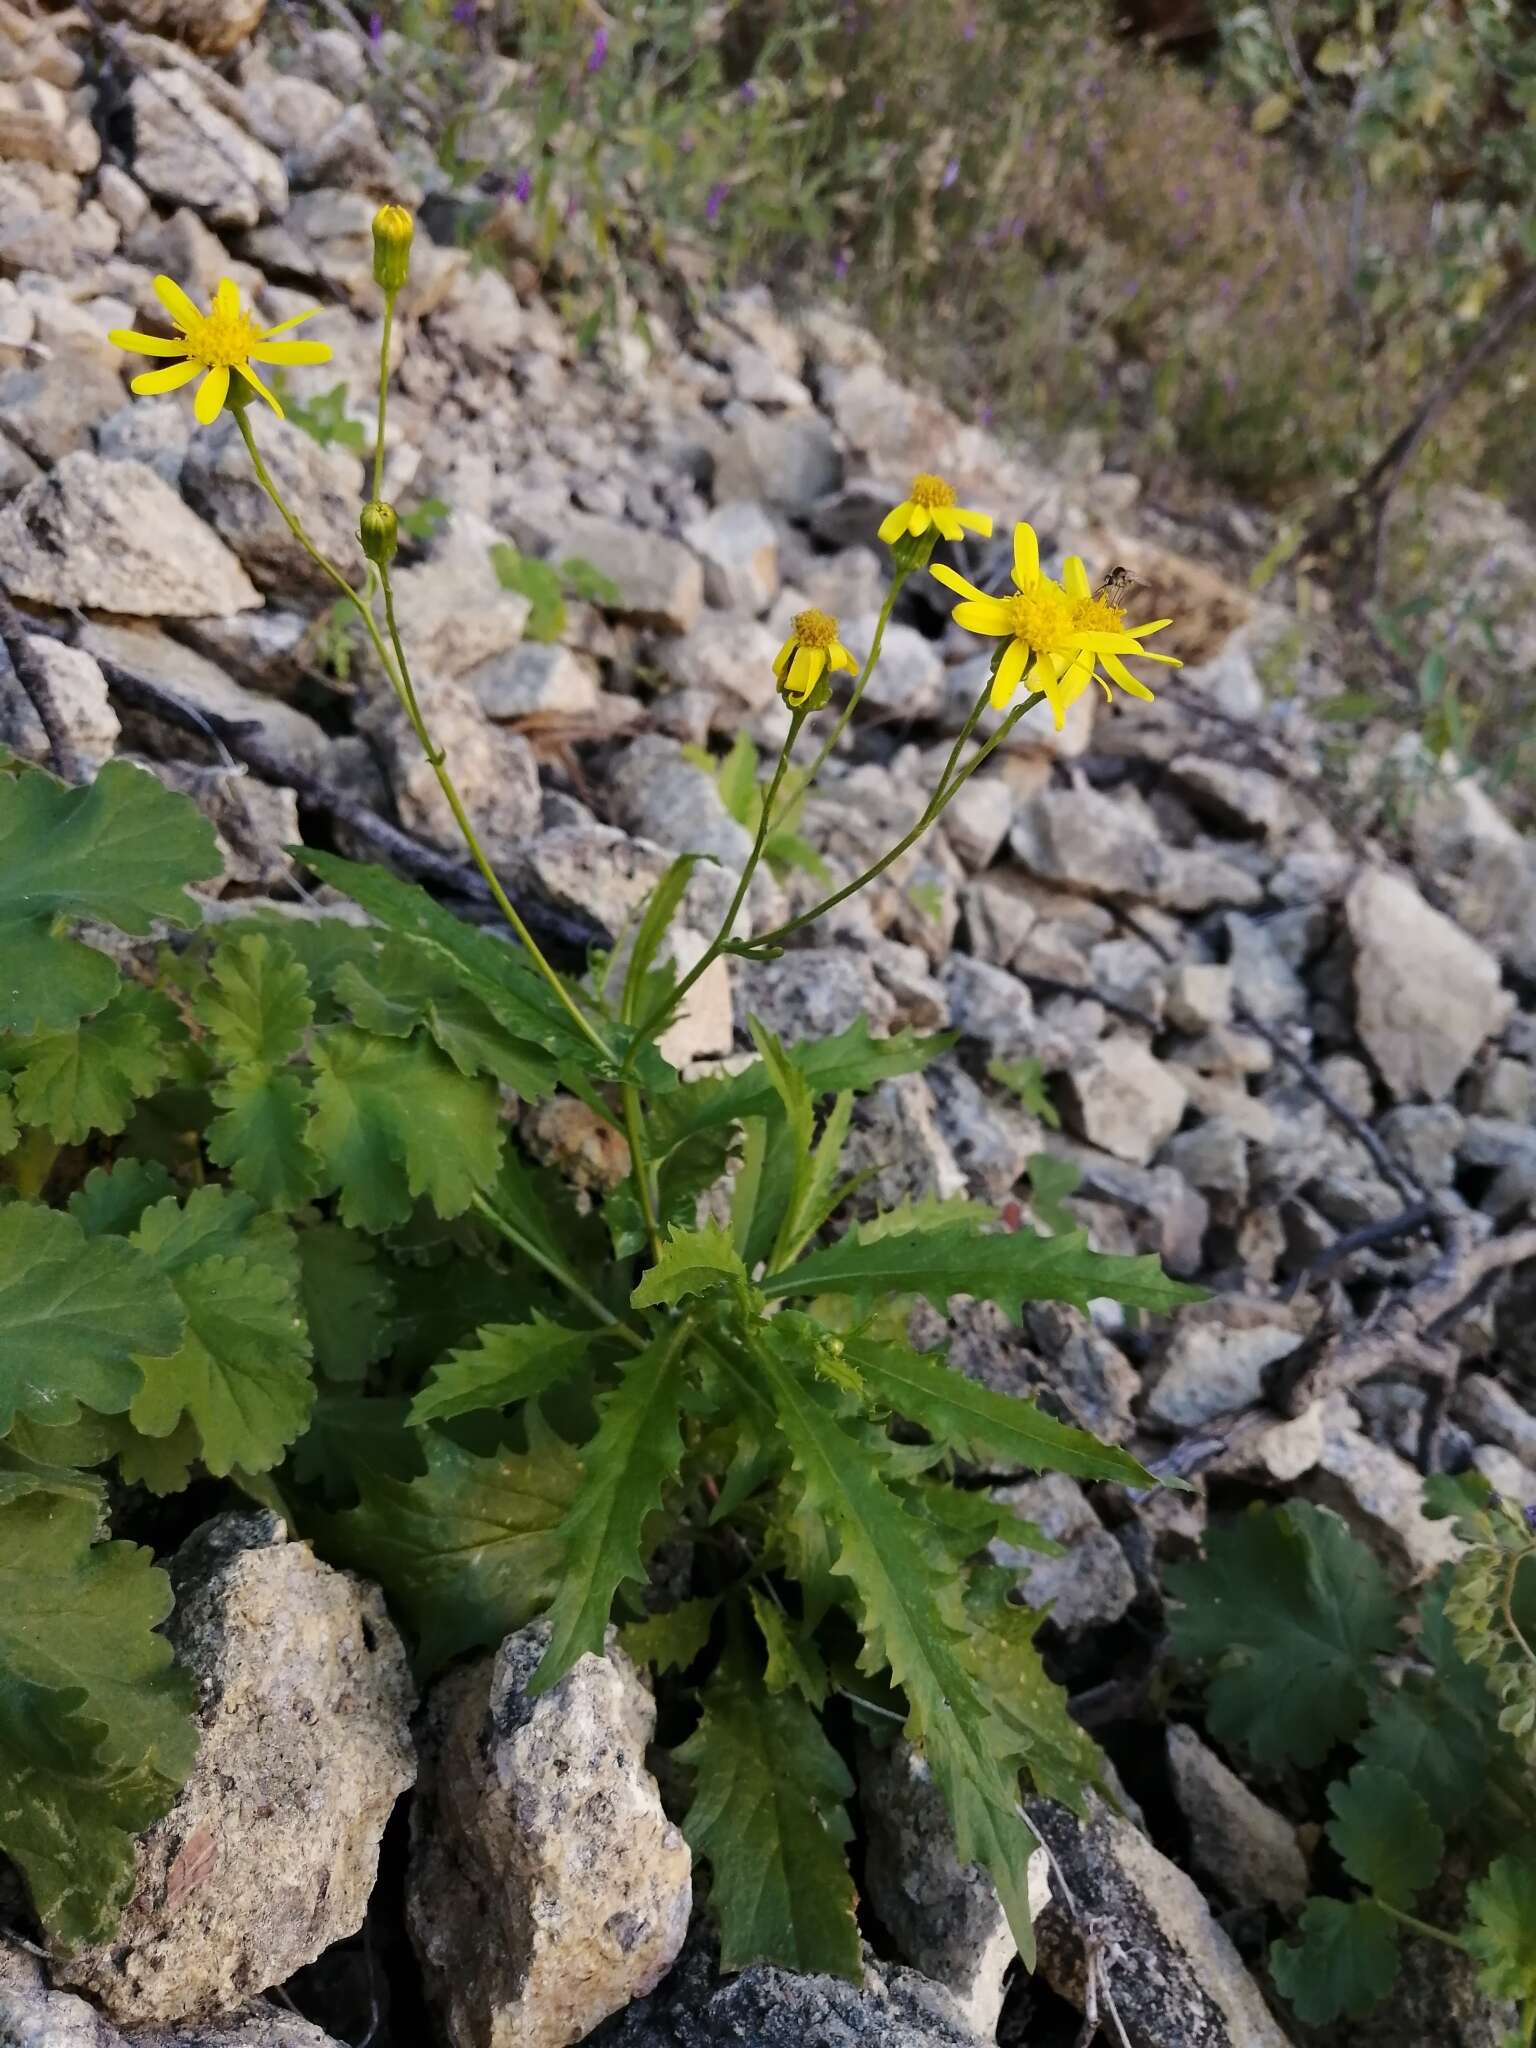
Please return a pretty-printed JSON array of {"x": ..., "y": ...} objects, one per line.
[
  {"x": 930, "y": 506},
  {"x": 808, "y": 655},
  {"x": 1058, "y": 634},
  {"x": 215, "y": 346}
]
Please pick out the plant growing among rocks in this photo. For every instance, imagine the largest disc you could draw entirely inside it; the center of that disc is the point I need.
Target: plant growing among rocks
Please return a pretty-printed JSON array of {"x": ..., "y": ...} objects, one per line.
[
  {"x": 266, "y": 1221},
  {"x": 1307, "y": 1649}
]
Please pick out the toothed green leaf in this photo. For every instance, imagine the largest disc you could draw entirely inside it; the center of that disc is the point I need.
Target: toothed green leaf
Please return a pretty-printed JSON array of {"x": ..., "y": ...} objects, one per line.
[
  {"x": 256, "y": 1001},
  {"x": 406, "y": 984},
  {"x": 691, "y": 1262},
  {"x": 466, "y": 1553},
  {"x": 509, "y": 1362},
  {"x": 396, "y": 1120},
  {"x": 980, "y": 1423},
  {"x": 1291, "y": 1613},
  {"x": 768, "y": 1816},
  {"x": 96, "y": 1735},
  {"x": 120, "y": 851},
  {"x": 1344, "y": 1963},
  {"x": 851, "y": 1059},
  {"x": 75, "y": 1314},
  {"x": 238, "y": 1391},
  {"x": 348, "y": 1298},
  {"x": 670, "y": 1641},
  {"x": 908, "y": 1599},
  {"x": 636, "y": 1452},
  {"x": 71, "y": 1083},
  {"x": 1008, "y": 1268},
  {"x": 1501, "y": 1929},
  {"x": 1384, "y": 1835}
]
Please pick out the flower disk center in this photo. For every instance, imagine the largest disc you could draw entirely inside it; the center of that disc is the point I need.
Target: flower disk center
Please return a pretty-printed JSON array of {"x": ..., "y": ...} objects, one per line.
[
  {"x": 1044, "y": 619},
  {"x": 221, "y": 340},
  {"x": 1098, "y": 615},
  {"x": 929, "y": 491},
  {"x": 815, "y": 629}
]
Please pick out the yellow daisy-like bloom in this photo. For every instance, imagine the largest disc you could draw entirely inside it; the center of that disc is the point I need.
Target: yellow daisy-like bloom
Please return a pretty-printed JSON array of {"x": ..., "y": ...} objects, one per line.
[
  {"x": 811, "y": 649},
  {"x": 1057, "y": 633},
  {"x": 931, "y": 502},
  {"x": 214, "y": 345}
]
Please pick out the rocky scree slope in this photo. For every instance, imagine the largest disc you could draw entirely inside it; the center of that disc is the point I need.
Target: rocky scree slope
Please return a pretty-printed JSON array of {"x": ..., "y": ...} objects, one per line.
[{"x": 1298, "y": 1065}]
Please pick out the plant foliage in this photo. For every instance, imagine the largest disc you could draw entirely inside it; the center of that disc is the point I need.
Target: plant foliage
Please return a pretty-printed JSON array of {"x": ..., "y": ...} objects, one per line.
[
  {"x": 275, "y": 1222},
  {"x": 1302, "y": 1640}
]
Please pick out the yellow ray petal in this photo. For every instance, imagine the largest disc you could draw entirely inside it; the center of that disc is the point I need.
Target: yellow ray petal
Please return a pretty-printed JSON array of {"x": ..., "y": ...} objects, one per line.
[
  {"x": 947, "y": 523},
  {"x": 953, "y": 580},
  {"x": 1074, "y": 577},
  {"x": 894, "y": 524},
  {"x": 283, "y": 326},
  {"x": 153, "y": 382},
  {"x": 176, "y": 303},
  {"x": 839, "y": 657},
  {"x": 1026, "y": 555},
  {"x": 1133, "y": 685},
  {"x": 920, "y": 521},
  {"x": 1107, "y": 643},
  {"x": 251, "y": 378},
  {"x": 148, "y": 344},
  {"x": 984, "y": 615},
  {"x": 781, "y": 659},
  {"x": 211, "y": 394},
  {"x": 978, "y": 522},
  {"x": 290, "y": 352},
  {"x": 1156, "y": 626},
  {"x": 1009, "y": 670},
  {"x": 805, "y": 672},
  {"x": 226, "y": 300}
]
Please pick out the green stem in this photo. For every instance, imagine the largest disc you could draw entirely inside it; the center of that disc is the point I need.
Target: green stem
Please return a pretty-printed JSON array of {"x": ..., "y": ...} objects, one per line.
[
  {"x": 647, "y": 1029},
  {"x": 1422, "y": 1927},
  {"x": 640, "y": 1166},
  {"x": 871, "y": 661},
  {"x": 378, "y": 442},
  {"x": 559, "y": 1272},
  {"x": 397, "y": 670},
  {"x": 949, "y": 785}
]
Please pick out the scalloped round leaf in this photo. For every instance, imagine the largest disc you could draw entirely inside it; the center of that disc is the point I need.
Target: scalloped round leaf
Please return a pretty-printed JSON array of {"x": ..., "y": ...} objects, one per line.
[
  {"x": 75, "y": 1315},
  {"x": 120, "y": 850}
]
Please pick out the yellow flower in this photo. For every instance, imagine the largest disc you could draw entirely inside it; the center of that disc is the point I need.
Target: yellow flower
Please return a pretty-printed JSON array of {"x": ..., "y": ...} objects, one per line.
[
  {"x": 215, "y": 343},
  {"x": 811, "y": 649},
  {"x": 931, "y": 502},
  {"x": 1057, "y": 633}
]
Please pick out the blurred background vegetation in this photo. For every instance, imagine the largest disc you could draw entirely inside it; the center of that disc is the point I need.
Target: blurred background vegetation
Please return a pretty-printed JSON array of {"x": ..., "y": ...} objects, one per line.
[{"x": 1264, "y": 248}]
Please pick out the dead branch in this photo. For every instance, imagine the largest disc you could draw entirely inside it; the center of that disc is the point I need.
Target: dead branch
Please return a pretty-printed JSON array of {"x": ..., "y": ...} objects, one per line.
[{"x": 412, "y": 856}]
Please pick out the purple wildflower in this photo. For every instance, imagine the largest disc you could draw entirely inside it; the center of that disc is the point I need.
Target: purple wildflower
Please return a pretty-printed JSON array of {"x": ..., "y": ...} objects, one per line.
[
  {"x": 598, "y": 54},
  {"x": 968, "y": 32},
  {"x": 748, "y": 94},
  {"x": 714, "y": 202},
  {"x": 375, "y": 28},
  {"x": 1181, "y": 195},
  {"x": 951, "y": 172},
  {"x": 522, "y": 190},
  {"x": 840, "y": 267},
  {"x": 1530, "y": 1518},
  {"x": 465, "y": 13}
]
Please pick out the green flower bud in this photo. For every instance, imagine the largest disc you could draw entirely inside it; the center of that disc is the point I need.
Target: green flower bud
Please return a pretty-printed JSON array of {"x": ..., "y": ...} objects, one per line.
[
  {"x": 379, "y": 532},
  {"x": 393, "y": 228}
]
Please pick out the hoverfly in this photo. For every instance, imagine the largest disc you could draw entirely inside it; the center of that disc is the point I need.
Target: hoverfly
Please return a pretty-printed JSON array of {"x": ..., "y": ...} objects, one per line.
[{"x": 1117, "y": 586}]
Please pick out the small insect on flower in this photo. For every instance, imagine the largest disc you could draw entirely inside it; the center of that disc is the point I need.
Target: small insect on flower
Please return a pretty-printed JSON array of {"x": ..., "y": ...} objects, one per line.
[
  {"x": 215, "y": 344},
  {"x": 1057, "y": 633},
  {"x": 811, "y": 650},
  {"x": 931, "y": 503}
]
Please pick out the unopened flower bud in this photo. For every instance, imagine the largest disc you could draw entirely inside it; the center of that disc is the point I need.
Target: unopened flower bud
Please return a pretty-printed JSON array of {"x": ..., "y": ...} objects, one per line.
[
  {"x": 379, "y": 532},
  {"x": 393, "y": 228}
]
